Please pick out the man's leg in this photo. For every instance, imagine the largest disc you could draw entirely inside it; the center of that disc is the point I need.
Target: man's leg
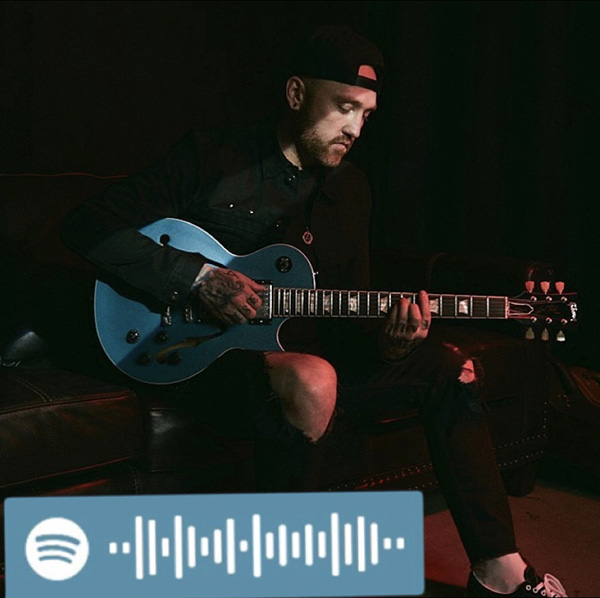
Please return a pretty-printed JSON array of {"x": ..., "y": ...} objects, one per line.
[
  {"x": 303, "y": 391},
  {"x": 282, "y": 401},
  {"x": 444, "y": 383},
  {"x": 465, "y": 464}
]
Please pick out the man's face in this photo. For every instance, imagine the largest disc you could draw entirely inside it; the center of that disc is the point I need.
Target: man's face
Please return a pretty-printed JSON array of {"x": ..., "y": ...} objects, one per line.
[{"x": 332, "y": 116}]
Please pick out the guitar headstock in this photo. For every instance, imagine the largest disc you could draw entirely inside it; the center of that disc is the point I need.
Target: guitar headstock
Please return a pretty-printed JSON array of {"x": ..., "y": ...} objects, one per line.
[{"x": 546, "y": 310}]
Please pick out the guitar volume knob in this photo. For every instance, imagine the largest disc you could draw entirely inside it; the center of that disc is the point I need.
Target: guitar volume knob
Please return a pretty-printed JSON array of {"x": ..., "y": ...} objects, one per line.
[
  {"x": 144, "y": 358},
  {"x": 283, "y": 264},
  {"x": 174, "y": 358},
  {"x": 132, "y": 337},
  {"x": 161, "y": 337}
]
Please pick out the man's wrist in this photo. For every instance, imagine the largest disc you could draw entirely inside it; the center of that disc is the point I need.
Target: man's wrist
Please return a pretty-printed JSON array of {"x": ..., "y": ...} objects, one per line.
[
  {"x": 201, "y": 276},
  {"x": 392, "y": 350}
]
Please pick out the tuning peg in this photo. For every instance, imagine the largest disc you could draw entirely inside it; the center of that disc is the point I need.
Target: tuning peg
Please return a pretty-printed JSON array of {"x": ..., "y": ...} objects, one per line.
[
  {"x": 560, "y": 287},
  {"x": 545, "y": 335},
  {"x": 545, "y": 286},
  {"x": 560, "y": 336},
  {"x": 530, "y": 334},
  {"x": 529, "y": 285}
]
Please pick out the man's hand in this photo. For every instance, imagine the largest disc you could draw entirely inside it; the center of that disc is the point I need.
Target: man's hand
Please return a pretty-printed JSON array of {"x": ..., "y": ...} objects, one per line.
[
  {"x": 228, "y": 295},
  {"x": 406, "y": 326}
]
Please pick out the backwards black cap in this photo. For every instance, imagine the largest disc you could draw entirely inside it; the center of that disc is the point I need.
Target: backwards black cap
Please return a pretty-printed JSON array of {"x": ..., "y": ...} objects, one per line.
[{"x": 337, "y": 53}]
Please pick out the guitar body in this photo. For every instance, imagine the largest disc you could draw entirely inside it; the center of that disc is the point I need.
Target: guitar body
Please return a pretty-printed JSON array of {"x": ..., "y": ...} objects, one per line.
[{"x": 154, "y": 343}]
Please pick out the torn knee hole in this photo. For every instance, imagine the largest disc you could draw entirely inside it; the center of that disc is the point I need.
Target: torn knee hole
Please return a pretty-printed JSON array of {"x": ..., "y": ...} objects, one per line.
[{"x": 467, "y": 372}]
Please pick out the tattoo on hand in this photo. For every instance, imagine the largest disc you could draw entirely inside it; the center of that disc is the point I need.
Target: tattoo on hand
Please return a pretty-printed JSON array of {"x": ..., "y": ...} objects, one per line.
[{"x": 220, "y": 287}]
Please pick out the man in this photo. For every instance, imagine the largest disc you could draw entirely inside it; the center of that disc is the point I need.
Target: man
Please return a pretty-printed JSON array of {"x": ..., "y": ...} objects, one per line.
[{"x": 288, "y": 181}]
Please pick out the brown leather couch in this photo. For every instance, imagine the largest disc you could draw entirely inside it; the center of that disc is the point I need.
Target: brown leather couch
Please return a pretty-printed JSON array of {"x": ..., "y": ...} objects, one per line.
[{"x": 63, "y": 432}]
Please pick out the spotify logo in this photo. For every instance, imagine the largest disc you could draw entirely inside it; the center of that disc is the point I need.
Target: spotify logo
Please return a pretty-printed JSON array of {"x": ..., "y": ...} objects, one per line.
[{"x": 57, "y": 549}]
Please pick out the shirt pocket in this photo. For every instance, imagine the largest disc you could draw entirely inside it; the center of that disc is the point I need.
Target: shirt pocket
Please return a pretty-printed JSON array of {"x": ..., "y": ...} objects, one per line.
[{"x": 240, "y": 231}]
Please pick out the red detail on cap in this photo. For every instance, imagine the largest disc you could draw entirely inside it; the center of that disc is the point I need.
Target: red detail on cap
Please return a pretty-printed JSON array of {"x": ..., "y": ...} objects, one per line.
[{"x": 367, "y": 71}]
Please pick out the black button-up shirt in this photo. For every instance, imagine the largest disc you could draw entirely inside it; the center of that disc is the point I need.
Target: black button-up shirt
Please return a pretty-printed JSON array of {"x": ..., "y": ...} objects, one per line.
[{"x": 237, "y": 185}]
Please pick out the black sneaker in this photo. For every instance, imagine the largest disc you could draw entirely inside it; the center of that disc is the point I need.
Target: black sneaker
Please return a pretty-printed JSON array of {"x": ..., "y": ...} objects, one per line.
[{"x": 532, "y": 586}]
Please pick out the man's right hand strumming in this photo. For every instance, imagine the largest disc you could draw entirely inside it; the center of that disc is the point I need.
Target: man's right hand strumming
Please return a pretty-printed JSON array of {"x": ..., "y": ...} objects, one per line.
[{"x": 228, "y": 295}]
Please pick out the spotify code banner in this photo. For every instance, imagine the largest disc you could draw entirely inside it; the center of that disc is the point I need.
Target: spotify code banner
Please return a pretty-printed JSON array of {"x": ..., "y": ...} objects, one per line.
[{"x": 216, "y": 546}]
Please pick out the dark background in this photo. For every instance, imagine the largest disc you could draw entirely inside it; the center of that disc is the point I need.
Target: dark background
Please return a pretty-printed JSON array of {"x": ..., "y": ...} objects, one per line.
[{"x": 486, "y": 140}]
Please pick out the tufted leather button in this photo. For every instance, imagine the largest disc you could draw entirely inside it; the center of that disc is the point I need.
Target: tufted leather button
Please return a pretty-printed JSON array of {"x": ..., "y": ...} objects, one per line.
[{"x": 174, "y": 296}]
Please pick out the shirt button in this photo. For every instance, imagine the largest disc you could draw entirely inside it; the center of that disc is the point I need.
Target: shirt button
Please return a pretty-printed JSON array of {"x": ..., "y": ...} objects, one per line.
[{"x": 290, "y": 179}]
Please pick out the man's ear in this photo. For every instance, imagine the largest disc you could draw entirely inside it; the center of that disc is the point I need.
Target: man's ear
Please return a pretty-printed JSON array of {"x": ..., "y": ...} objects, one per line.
[{"x": 295, "y": 92}]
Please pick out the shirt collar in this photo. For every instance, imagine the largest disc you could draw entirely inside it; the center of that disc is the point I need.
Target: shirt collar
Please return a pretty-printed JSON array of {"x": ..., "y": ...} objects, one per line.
[{"x": 274, "y": 162}]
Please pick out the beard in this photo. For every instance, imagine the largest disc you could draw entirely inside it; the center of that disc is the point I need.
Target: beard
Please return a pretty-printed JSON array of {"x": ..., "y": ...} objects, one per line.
[{"x": 318, "y": 151}]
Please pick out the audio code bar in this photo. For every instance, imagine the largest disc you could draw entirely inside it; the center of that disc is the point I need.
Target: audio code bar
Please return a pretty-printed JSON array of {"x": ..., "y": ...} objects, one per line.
[{"x": 284, "y": 547}]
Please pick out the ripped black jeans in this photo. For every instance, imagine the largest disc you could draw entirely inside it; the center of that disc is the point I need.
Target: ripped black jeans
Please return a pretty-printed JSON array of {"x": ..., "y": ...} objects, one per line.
[
  {"x": 458, "y": 438},
  {"x": 459, "y": 443}
]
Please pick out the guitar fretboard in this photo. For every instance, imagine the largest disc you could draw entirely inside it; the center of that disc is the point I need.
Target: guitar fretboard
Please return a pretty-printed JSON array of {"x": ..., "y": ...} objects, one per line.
[{"x": 286, "y": 302}]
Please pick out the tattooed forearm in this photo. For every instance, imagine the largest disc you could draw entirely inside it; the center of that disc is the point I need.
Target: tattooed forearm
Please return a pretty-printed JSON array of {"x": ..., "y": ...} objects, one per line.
[{"x": 396, "y": 349}]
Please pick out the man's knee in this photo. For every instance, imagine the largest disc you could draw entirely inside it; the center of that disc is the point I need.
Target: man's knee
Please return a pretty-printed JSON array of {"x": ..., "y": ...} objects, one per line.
[
  {"x": 467, "y": 374},
  {"x": 463, "y": 365},
  {"x": 297, "y": 372},
  {"x": 315, "y": 376},
  {"x": 307, "y": 387}
]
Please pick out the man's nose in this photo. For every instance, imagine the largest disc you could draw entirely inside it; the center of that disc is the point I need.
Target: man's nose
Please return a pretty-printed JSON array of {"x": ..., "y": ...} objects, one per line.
[{"x": 353, "y": 126}]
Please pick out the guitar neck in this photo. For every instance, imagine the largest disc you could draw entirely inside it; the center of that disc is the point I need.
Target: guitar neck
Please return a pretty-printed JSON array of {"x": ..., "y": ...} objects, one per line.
[{"x": 290, "y": 302}]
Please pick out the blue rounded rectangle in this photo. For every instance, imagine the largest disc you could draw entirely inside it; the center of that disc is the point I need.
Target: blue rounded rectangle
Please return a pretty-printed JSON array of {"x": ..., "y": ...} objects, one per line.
[{"x": 281, "y": 545}]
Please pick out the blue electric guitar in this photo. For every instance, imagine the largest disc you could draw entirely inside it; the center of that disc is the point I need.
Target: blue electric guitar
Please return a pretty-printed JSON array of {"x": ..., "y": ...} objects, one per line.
[{"x": 155, "y": 343}]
